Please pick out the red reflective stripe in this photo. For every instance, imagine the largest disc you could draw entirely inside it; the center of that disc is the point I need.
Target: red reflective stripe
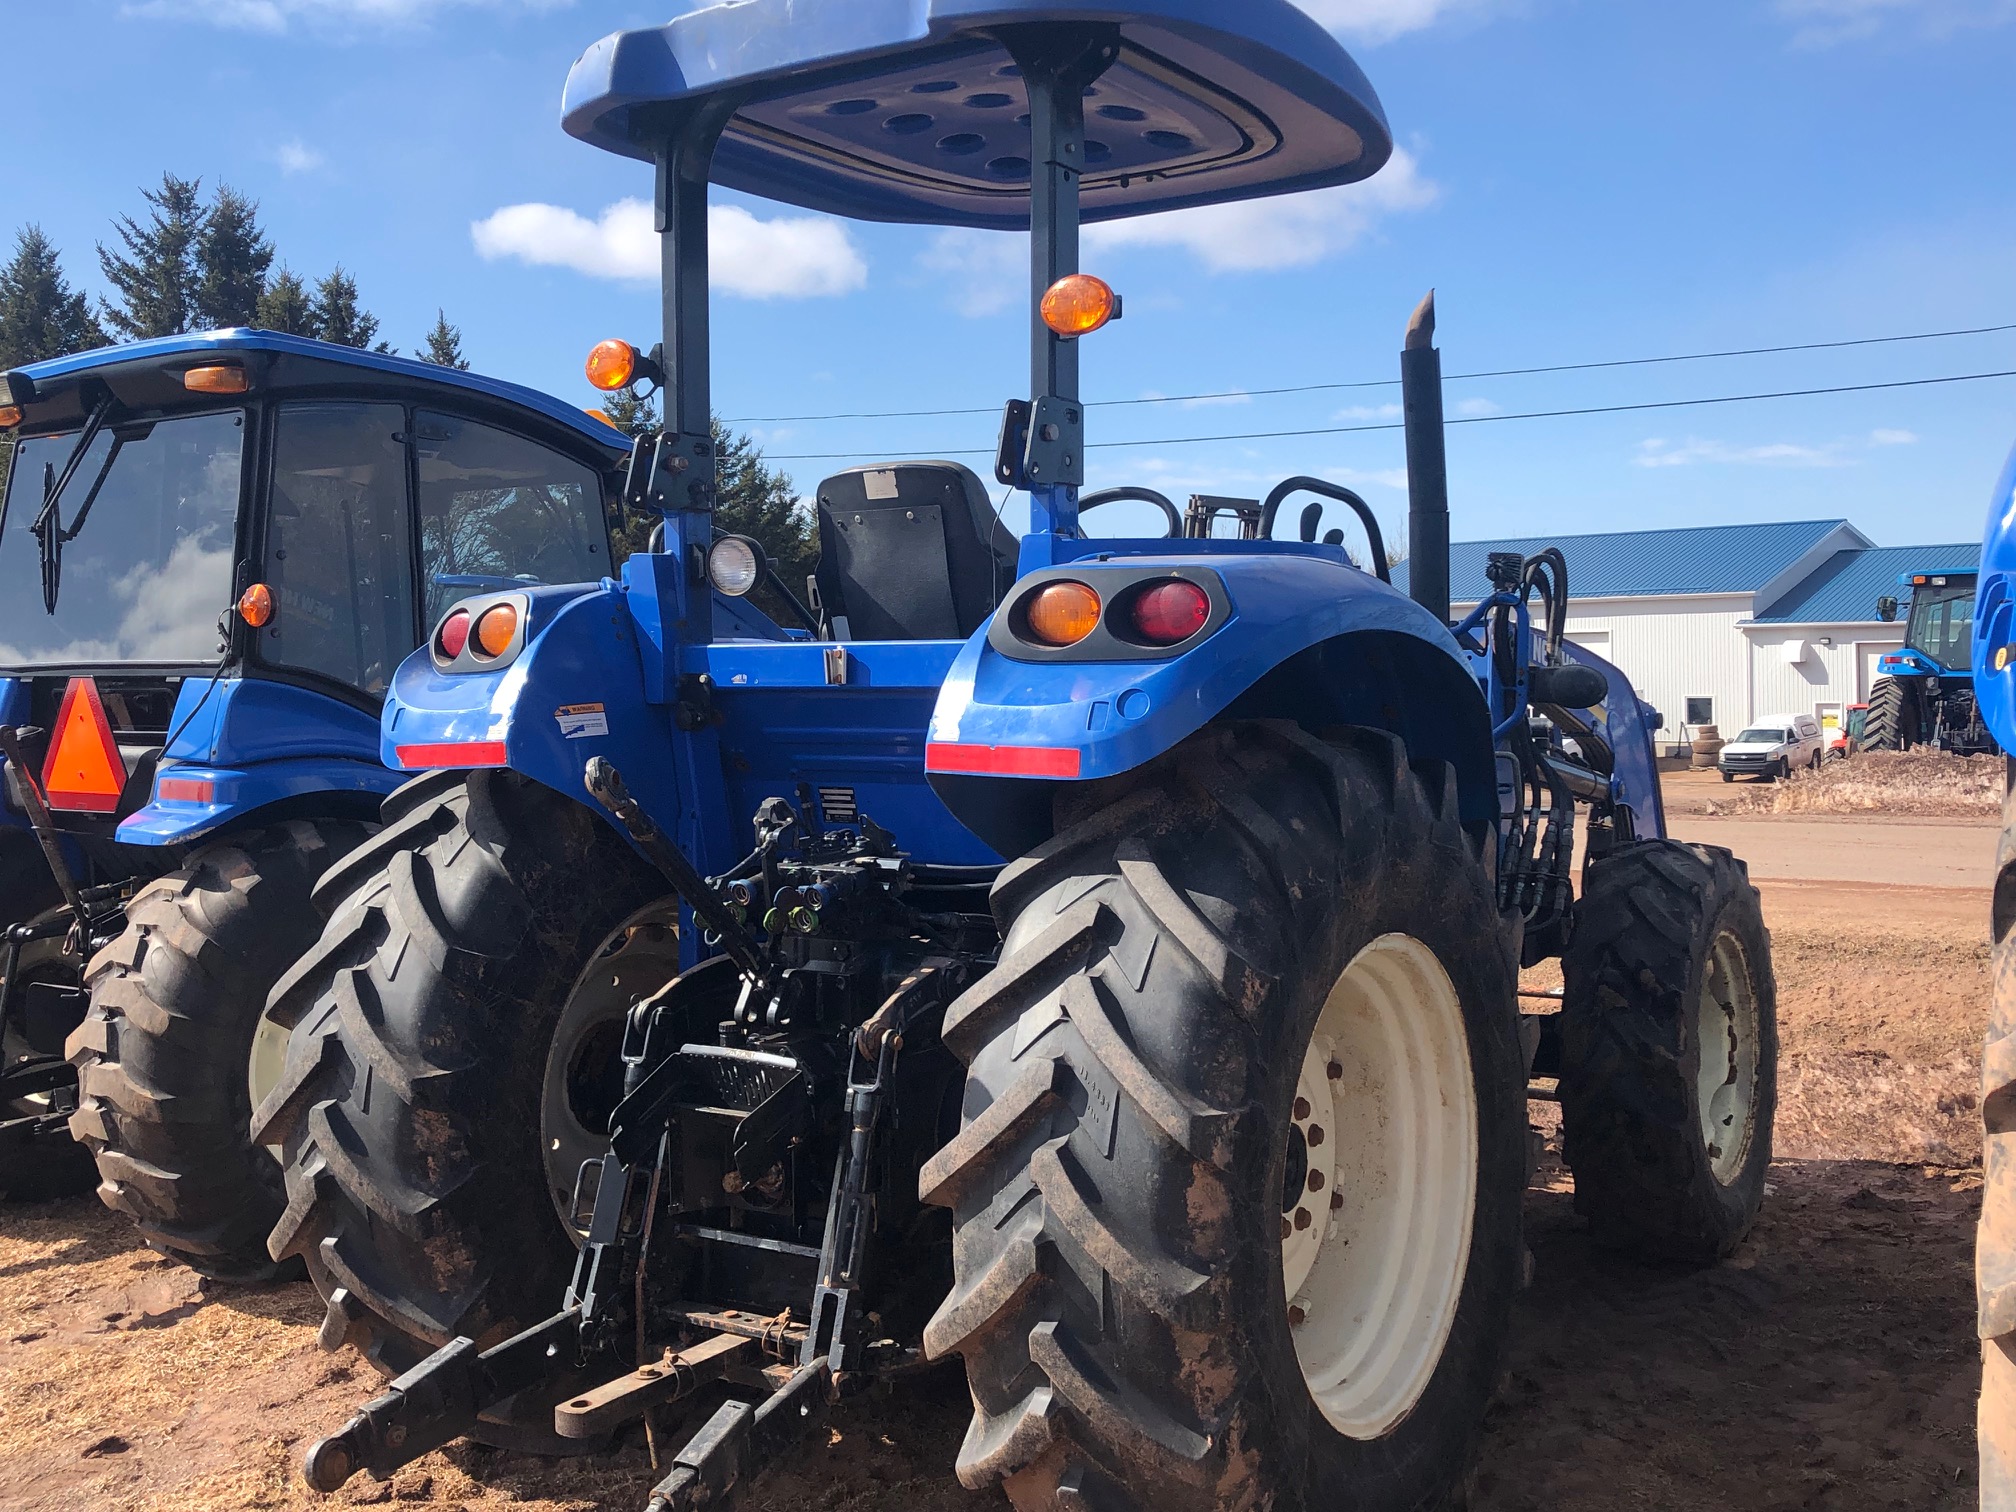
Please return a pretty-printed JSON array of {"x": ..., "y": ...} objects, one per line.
[
  {"x": 186, "y": 789},
  {"x": 1004, "y": 761},
  {"x": 468, "y": 753}
]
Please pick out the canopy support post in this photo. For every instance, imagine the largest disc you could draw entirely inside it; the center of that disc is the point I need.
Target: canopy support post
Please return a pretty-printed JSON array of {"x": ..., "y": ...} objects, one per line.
[{"x": 1427, "y": 465}]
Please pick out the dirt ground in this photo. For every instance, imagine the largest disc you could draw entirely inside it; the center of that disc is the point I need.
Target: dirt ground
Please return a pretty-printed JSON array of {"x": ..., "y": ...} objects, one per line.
[{"x": 1830, "y": 1365}]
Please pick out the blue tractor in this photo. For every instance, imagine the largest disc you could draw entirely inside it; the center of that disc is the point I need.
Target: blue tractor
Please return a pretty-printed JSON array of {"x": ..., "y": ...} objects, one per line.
[
  {"x": 1924, "y": 694},
  {"x": 1994, "y": 667},
  {"x": 215, "y": 552},
  {"x": 1092, "y": 956}
]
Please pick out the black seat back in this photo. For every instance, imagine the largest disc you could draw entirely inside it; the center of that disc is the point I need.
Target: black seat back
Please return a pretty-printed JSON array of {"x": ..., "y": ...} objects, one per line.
[{"x": 911, "y": 551}]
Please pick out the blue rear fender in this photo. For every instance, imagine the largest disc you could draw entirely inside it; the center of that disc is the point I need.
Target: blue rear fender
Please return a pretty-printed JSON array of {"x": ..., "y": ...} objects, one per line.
[
  {"x": 576, "y": 690},
  {"x": 1995, "y": 614},
  {"x": 1309, "y": 638}
]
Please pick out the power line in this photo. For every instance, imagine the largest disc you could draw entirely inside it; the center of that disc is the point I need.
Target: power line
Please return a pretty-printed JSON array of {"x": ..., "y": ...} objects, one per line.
[
  {"x": 1346, "y": 430},
  {"x": 1319, "y": 388}
]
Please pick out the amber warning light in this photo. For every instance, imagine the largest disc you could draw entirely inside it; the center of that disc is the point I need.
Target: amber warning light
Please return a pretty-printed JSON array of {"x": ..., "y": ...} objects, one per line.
[{"x": 84, "y": 771}]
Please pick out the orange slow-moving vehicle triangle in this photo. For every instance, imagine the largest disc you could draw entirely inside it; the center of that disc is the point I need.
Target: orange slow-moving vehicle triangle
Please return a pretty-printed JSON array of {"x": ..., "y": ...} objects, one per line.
[{"x": 85, "y": 770}]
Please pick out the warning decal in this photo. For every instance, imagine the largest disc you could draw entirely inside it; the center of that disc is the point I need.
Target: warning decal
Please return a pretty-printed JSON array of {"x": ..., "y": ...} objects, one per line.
[{"x": 579, "y": 721}]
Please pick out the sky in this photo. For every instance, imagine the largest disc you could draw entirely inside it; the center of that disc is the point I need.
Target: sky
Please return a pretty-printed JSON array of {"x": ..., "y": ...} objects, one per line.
[{"x": 1579, "y": 180}]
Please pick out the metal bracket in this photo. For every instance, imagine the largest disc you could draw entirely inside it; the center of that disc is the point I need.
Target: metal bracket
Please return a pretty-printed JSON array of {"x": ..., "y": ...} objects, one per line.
[
  {"x": 721, "y": 1459},
  {"x": 1055, "y": 451}
]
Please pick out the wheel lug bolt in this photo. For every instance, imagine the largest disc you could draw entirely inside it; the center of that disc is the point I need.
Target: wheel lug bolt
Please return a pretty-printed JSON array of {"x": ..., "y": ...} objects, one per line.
[
  {"x": 1301, "y": 1108},
  {"x": 1336, "y": 1201},
  {"x": 1297, "y": 1317},
  {"x": 1315, "y": 1135},
  {"x": 1287, "y": 1228},
  {"x": 1315, "y": 1181},
  {"x": 1302, "y": 1218},
  {"x": 1336, "y": 1071}
]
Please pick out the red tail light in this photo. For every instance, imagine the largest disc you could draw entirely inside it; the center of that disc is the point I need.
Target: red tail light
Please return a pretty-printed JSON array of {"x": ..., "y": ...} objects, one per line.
[
  {"x": 454, "y": 635},
  {"x": 1166, "y": 613}
]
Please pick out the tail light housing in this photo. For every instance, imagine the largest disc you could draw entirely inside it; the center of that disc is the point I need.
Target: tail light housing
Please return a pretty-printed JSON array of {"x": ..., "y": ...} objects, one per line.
[
  {"x": 481, "y": 634},
  {"x": 1109, "y": 611}
]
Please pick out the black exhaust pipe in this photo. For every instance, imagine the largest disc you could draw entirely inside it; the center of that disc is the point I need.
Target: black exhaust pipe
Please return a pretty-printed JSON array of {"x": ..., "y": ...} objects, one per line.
[{"x": 1427, "y": 465}]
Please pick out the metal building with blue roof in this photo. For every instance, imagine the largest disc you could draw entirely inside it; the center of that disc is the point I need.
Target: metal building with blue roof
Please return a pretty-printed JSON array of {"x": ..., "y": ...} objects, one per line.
[{"x": 1727, "y": 624}]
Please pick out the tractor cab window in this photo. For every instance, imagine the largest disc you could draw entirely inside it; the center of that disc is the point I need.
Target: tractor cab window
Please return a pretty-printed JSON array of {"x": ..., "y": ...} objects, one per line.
[
  {"x": 339, "y": 548},
  {"x": 499, "y": 511},
  {"x": 1942, "y": 625},
  {"x": 136, "y": 553}
]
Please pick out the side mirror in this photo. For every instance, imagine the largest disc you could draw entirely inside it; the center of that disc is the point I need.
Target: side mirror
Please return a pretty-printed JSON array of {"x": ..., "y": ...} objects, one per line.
[{"x": 1886, "y": 609}]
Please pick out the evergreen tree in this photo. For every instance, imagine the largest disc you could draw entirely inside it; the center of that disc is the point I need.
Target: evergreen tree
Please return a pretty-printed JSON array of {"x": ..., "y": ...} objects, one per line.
[
  {"x": 444, "y": 344},
  {"x": 285, "y": 305},
  {"x": 157, "y": 279},
  {"x": 633, "y": 415},
  {"x": 41, "y": 316},
  {"x": 338, "y": 317},
  {"x": 757, "y": 500},
  {"x": 233, "y": 258}
]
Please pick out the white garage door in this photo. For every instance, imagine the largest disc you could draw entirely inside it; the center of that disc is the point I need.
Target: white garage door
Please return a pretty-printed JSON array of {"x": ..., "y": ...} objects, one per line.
[{"x": 1867, "y": 654}]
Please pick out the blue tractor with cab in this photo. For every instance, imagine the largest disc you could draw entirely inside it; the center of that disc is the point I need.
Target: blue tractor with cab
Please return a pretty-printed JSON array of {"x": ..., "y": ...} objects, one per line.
[
  {"x": 215, "y": 550},
  {"x": 1096, "y": 957},
  {"x": 1924, "y": 693}
]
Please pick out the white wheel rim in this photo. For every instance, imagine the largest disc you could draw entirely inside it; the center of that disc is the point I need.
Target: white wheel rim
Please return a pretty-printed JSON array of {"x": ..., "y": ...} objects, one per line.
[
  {"x": 1386, "y": 1109},
  {"x": 1725, "y": 1084},
  {"x": 265, "y": 1066}
]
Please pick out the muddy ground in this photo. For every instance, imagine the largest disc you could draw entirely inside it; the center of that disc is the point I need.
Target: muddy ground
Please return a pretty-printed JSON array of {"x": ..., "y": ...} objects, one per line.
[{"x": 1829, "y": 1366}]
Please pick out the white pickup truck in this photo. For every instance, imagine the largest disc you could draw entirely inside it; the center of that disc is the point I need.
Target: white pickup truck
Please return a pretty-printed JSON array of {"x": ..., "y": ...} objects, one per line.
[{"x": 1774, "y": 747}]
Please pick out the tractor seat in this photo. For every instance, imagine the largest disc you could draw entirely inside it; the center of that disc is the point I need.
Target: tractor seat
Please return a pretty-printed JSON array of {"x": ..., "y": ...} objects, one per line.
[{"x": 911, "y": 551}]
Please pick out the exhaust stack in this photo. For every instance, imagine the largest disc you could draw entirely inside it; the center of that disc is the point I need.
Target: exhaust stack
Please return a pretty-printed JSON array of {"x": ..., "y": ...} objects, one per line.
[{"x": 1427, "y": 464}]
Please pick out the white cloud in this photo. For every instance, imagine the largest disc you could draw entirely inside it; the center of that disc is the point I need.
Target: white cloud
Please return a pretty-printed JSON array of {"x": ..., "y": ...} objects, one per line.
[
  {"x": 1361, "y": 413},
  {"x": 1893, "y": 438},
  {"x": 298, "y": 157},
  {"x": 1476, "y": 409},
  {"x": 988, "y": 271},
  {"x": 1382, "y": 20},
  {"x": 1289, "y": 231},
  {"x": 280, "y": 15},
  {"x": 791, "y": 257},
  {"x": 1824, "y": 23},
  {"x": 1660, "y": 452},
  {"x": 1202, "y": 401}
]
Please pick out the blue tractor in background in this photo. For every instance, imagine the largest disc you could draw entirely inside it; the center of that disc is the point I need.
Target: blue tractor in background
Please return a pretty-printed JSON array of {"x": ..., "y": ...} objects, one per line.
[
  {"x": 1093, "y": 956},
  {"x": 1994, "y": 668},
  {"x": 215, "y": 550},
  {"x": 1924, "y": 694}
]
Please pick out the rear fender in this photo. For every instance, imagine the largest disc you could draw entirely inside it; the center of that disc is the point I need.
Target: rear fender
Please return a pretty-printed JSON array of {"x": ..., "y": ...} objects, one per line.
[
  {"x": 575, "y": 691},
  {"x": 193, "y": 800},
  {"x": 1995, "y": 615},
  {"x": 1307, "y": 639}
]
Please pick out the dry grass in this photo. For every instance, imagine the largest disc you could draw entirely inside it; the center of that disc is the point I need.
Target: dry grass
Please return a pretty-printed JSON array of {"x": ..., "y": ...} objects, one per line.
[{"x": 1921, "y": 784}]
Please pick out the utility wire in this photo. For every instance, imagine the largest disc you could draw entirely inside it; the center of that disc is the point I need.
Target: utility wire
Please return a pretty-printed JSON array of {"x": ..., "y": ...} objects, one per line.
[
  {"x": 1344, "y": 430},
  {"x": 1318, "y": 388}
]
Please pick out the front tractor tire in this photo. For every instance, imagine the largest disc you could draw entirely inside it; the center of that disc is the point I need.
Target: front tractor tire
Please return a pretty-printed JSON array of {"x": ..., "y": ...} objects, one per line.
[
  {"x": 1895, "y": 721},
  {"x": 427, "y": 1168},
  {"x": 1237, "y": 1190},
  {"x": 1669, "y": 1075},
  {"x": 166, "y": 1057}
]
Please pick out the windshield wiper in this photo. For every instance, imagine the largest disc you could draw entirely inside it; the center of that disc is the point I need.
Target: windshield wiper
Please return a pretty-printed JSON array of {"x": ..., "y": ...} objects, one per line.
[{"x": 47, "y": 529}]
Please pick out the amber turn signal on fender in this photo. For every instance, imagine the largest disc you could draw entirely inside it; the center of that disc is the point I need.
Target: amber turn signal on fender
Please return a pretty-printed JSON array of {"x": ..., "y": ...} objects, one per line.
[
  {"x": 10, "y": 416},
  {"x": 223, "y": 378},
  {"x": 612, "y": 365},
  {"x": 1079, "y": 304},
  {"x": 1062, "y": 614},
  {"x": 255, "y": 606},
  {"x": 495, "y": 629}
]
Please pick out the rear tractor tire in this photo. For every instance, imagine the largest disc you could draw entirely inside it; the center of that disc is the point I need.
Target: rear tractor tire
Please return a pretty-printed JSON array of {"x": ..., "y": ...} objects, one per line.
[
  {"x": 1893, "y": 722},
  {"x": 1669, "y": 1075},
  {"x": 169, "y": 1058},
  {"x": 1995, "y": 1240},
  {"x": 1237, "y": 1191},
  {"x": 454, "y": 1039}
]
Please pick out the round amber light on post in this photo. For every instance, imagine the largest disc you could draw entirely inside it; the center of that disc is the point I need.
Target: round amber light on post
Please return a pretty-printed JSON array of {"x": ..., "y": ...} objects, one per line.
[
  {"x": 1079, "y": 304},
  {"x": 612, "y": 365},
  {"x": 495, "y": 629},
  {"x": 10, "y": 416},
  {"x": 255, "y": 606},
  {"x": 1062, "y": 614},
  {"x": 222, "y": 378}
]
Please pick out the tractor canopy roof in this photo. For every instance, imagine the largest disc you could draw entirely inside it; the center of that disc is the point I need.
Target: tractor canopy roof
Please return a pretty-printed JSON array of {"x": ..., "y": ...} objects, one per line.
[
  {"x": 914, "y": 110},
  {"x": 148, "y": 375},
  {"x": 1918, "y": 575}
]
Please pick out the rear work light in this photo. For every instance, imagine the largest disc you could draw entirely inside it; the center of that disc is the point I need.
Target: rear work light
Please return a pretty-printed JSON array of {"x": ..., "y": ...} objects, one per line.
[
  {"x": 221, "y": 378},
  {"x": 453, "y": 635},
  {"x": 1062, "y": 614},
  {"x": 1164, "y": 614},
  {"x": 495, "y": 629}
]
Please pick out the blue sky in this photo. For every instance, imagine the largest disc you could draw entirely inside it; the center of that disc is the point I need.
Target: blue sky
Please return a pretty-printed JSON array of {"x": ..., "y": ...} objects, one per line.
[{"x": 1581, "y": 180}]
